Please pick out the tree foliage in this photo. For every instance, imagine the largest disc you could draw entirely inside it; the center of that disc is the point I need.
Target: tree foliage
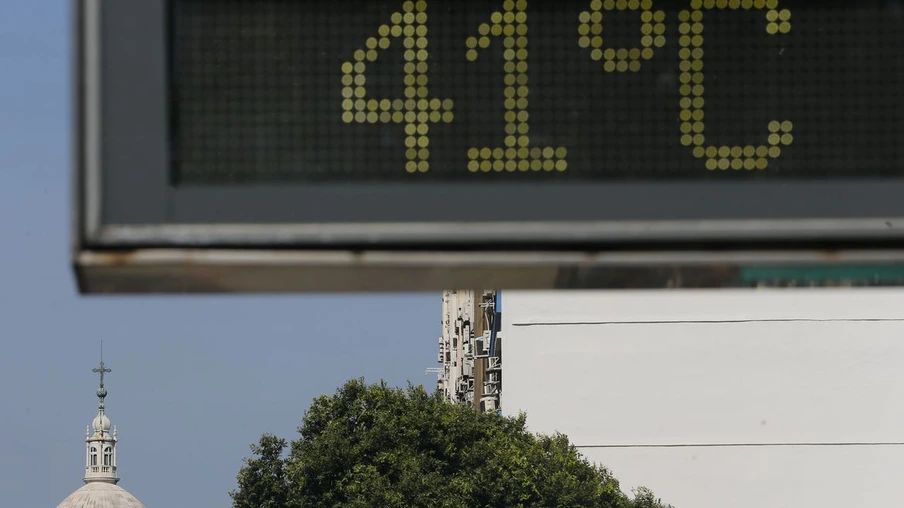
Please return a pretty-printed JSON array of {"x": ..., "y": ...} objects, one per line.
[{"x": 374, "y": 446}]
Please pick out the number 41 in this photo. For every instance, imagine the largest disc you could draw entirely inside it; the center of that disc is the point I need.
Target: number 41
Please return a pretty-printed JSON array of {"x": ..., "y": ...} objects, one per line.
[{"x": 418, "y": 110}]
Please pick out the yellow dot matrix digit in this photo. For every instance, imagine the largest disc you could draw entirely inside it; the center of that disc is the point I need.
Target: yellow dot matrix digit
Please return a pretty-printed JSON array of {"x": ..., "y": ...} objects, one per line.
[
  {"x": 510, "y": 24},
  {"x": 410, "y": 26}
]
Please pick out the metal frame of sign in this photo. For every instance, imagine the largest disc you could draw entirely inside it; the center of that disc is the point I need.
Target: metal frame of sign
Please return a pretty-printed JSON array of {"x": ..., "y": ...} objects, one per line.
[{"x": 134, "y": 232}]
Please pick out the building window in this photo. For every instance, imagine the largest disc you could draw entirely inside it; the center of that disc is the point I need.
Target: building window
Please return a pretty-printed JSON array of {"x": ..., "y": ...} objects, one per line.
[
  {"x": 93, "y": 456},
  {"x": 108, "y": 457}
]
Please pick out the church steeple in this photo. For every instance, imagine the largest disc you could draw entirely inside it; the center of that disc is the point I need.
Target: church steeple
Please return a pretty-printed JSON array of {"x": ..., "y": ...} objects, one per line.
[
  {"x": 100, "y": 489},
  {"x": 100, "y": 460}
]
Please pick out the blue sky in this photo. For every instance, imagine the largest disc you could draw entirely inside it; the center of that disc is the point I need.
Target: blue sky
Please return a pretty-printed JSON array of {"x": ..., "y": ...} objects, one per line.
[{"x": 195, "y": 379}]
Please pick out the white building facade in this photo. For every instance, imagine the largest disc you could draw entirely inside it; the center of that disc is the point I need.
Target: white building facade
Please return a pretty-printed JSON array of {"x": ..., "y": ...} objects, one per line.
[{"x": 715, "y": 399}]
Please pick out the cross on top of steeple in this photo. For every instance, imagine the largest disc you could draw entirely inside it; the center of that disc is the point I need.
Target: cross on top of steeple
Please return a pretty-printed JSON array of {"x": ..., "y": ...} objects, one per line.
[{"x": 101, "y": 370}]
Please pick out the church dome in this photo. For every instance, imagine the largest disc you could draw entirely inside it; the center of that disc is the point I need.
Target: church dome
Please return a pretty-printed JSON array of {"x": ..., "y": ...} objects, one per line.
[{"x": 100, "y": 495}]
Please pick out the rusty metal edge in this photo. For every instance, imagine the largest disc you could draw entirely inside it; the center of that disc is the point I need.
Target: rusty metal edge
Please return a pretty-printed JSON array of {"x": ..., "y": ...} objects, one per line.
[{"x": 176, "y": 271}]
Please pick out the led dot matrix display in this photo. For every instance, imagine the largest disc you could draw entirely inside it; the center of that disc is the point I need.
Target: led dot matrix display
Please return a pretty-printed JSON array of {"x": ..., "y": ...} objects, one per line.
[{"x": 517, "y": 90}]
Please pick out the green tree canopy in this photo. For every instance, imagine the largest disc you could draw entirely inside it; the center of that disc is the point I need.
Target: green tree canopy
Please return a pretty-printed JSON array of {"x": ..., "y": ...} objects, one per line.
[{"x": 369, "y": 446}]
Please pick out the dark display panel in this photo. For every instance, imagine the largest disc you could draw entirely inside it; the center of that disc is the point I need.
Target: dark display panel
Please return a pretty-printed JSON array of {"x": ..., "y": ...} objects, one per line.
[{"x": 603, "y": 90}]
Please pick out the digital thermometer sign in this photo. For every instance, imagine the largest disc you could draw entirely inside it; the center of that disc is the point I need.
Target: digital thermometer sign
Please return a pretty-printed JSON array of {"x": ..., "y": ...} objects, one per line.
[{"x": 316, "y": 145}]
